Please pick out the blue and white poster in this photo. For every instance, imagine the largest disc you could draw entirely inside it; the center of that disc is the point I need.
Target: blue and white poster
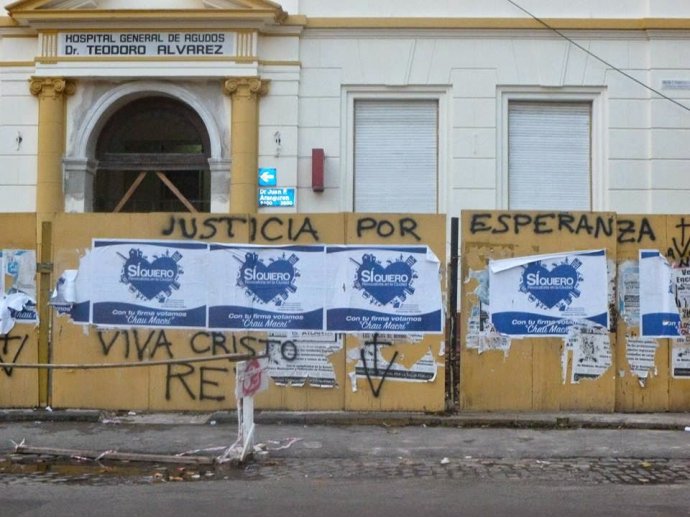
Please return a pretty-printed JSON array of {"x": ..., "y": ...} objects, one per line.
[
  {"x": 267, "y": 287},
  {"x": 386, "y": 289},
  {"x": 148, "y": 283},
  {"x": 544, "y": 295},
  {"x": 659, "y": 314}
]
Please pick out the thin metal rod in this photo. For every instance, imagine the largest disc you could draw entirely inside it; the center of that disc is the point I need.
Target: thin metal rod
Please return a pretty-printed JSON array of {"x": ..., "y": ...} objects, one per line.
[{"x": 151, "y": 363}]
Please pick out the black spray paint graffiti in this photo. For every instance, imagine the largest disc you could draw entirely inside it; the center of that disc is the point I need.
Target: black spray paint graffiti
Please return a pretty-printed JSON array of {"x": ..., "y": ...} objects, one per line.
[
  {"x": 545, "y": 223},
  {"x": 277, "y": 228},
  {"x": 199, "y": 383},
  {"x": 10, "y": 343},
  {"x": 679, "y": 253},
  {"x": 627, "y": 230},
  {"x": 271, "y": 229},
  {"x": 373, "y": 370},
  {"x": 384, "y": 228}
]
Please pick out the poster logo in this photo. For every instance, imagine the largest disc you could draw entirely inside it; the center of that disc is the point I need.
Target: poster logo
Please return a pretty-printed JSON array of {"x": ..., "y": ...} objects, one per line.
[
  {"x": 385, "y": 285},
  {"x": 272, "y": 282},
  {"x": 149, "y": 280},
  {"x": 550, "y": 288}
]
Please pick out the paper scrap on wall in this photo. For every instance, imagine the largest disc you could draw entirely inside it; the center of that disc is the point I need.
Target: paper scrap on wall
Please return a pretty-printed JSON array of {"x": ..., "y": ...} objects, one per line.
[
  {"x": 544, "y": 295},
  {"x": 296, "y": 358}
]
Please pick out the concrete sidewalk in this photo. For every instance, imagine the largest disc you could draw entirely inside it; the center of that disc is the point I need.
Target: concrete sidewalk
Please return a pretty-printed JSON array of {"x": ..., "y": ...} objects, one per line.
[{"x": 650, "y": 421}]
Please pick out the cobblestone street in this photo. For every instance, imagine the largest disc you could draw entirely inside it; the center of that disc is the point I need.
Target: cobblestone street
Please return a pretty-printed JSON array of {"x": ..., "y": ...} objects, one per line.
[{"x": 338, "y": 470}]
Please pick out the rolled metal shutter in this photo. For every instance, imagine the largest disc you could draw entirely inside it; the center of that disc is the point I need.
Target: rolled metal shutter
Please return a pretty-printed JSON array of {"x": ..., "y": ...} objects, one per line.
[
  {"x": 396, "y": 156},
  {"x": 549, "y": 156}
]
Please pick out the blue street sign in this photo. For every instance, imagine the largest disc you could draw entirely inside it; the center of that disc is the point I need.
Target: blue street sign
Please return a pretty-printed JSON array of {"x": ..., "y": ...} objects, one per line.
[
  {"x": 283, "y": 197},
  {"x": 268, "y": 177}
]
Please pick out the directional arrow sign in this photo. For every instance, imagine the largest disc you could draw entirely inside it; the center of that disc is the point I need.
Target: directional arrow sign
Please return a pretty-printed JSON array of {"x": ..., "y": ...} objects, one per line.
[{"x": 268, "y": 177}]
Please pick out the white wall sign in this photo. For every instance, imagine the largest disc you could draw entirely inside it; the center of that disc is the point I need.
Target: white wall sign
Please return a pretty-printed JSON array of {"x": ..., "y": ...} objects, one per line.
[{"x": 161, "y": 44}]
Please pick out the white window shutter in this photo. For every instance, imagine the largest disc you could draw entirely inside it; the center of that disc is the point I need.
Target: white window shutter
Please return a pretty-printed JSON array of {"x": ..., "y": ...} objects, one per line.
[
  {"x": 549, "y": 155},
  {"x": 396, "y": 156}
]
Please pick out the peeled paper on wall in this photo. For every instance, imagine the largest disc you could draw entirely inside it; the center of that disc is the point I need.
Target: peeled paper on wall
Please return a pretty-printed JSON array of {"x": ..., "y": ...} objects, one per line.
[
  {"x": 659, "y": 315},
  {"x": 387, "y": 289},
  {"x": 266, "y": 287},
  {"x": 148, "y": 283},
  {"x": 544, "y": 295},
  {"x": 296, "y": 358}
]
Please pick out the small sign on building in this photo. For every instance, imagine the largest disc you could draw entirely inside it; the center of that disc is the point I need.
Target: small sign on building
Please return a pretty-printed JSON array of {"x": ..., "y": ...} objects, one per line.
[
  {"x": 282, "y": 197},
  {"x": 268, "y": 177}
]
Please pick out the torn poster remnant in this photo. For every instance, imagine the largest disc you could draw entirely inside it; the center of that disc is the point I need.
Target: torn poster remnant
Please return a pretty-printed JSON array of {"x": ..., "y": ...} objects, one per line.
[
  {"x": 296, "y": 358},
  {"x": 591, "y": 349},
  {"x": 640, "y": 353},
  {"x": 481, "y": 334},
  {"x": 18, "y": 287},
  {"x": 680, "y": 359},
  {"x": 629, "y": 292},
  {"x": 371, "y": 364}
]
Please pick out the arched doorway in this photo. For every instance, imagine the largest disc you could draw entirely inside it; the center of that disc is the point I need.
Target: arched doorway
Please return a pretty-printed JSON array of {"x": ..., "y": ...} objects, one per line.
[{"x": 152, "y": 156}]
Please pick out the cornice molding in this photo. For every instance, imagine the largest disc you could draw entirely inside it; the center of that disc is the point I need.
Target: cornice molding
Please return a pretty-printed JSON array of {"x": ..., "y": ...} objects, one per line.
[{"x": 499, "y": 23}]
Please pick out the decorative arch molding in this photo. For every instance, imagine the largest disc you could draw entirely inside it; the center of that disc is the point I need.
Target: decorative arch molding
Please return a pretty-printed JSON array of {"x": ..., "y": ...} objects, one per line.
[{"x": 80, "y": 164}]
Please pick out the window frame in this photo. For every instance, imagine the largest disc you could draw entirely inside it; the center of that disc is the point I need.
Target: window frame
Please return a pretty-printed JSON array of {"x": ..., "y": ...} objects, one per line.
[
  {"x": 356, "y": 93},
  {"x": 594, "y": 95}
]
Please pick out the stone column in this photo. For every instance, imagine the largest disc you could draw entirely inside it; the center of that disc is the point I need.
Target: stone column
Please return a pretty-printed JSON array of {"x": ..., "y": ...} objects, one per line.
[
  {"x": 51, "y": 93},
  {"x": 245, "y": 93}
]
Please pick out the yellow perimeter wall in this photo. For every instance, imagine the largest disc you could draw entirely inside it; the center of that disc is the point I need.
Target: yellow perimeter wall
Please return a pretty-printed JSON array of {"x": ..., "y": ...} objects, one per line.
[
  {"x": 531, "y": 375},
  {"x": 210, "y": 385},
  {"x": 18, "y": 387},
  {"x": 536, "y": 374}
]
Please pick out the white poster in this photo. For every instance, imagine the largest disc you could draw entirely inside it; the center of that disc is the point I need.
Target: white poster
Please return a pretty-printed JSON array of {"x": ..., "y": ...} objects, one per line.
[
  {"x": 387, "y": 289},
  {"x": 148, "y": 283},
  {"x": 544, "y": 295},
  {"x": 267, "y": 287},
  {"x": 297, "y": 357},
  {"x": 659, "y": 313}
]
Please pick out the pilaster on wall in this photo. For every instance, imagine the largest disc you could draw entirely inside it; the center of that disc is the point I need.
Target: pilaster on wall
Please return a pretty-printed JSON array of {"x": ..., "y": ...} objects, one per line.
[
  {"x": 51, "y": 93},
  {"x": 245, "y": 93}
]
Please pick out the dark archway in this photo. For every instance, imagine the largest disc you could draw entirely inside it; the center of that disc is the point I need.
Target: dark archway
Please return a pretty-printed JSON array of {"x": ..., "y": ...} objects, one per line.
[{"x": 153, "y": 157}]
